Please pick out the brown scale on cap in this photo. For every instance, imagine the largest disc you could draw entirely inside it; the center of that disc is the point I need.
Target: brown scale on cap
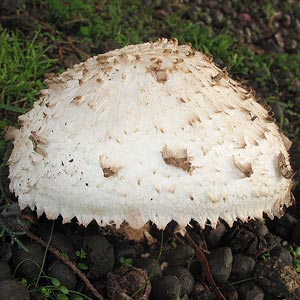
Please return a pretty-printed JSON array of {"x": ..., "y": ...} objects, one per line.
[
  {"x": 284, "y": 169},
  {"x": 179, "y": 160},
  {"x": 246, "y": 168}
]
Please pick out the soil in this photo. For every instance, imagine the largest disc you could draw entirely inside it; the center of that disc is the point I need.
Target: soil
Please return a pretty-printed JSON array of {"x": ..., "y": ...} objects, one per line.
[{"x": 248, "y": 261}]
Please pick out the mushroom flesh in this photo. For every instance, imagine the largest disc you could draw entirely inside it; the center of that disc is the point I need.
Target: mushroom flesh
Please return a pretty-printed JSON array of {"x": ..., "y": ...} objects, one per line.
[{"x": 156, "y": 132}]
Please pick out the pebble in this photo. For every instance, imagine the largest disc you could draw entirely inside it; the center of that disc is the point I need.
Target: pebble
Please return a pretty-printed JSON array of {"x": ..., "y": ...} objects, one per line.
[
  {"x": 261, "y": 229},
  {"x": 290, "y": 44},
  {"x": 229, "y": 292},
  {"x": 6, "y": 251},
  {"x": 250, "y": 291},
  {"x": 101, "y": 254},
  {"x": 217, "y": 16},
  {"x": 244, "y": 18},
  {"x": 13, "y": 216},
  {"x": 220, "y": 262},
  {"x": 185, "y": 278},
  {"x": 150, "y": 265},
  {"x": 207, "y": 19},
  {"x": 243, "y": 241},
  {"x": 58, "y": 240},
  {"x": 124, "y": 249},
  {"x": 287, "y": 221},
  {"x": 283, "y": 254},
  {"x": 27, "y": 264},
  {"x": 5, "y": 272},
  {"x": 63, "y": 273},
  {"x": 276, "y": 277},
  {"x": 283, "y": 232},
  {"x": 166, "y": 288},
  {"x": 204, "y": 295},
  {"x": 242, "y": 267},
  {"x": 295, "y": 86},
  {"x": 272, "y": 241},
  {"x": 123, "y": 282},
  {"x": 216, "y": 236},
  {"x": 180, "y": 255},
  {"x": 198, "y": 287},
  {"x": 13, "y": 290}
]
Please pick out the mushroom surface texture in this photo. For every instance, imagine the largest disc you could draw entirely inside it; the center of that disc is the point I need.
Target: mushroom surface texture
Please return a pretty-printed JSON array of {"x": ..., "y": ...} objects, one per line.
[{"x": 156, "y": 132}]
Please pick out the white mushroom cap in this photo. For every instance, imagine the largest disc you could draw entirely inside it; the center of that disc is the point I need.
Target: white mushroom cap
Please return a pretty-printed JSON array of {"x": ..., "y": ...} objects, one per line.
[{"x": 149, "y": 132}]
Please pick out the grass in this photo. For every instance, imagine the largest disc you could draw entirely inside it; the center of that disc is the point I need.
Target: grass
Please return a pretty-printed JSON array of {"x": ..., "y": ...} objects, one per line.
[
  {"x": 102, "y": 25},
  {"x": 23, "y": 64}
]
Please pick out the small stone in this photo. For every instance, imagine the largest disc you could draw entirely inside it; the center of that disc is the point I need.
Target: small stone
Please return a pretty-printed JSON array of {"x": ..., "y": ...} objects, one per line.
[
  {"x": 283, "y": 232},
  {"x": 287, "y": 221},
  {"x": 276, "y": 277},
  {"x": 279, "y": 39},
  {"x": 283, "y": 254},
  {"x": 295, "y": 86},
  {"x": 5, "y": 272},
  {"x": 271, "y": 46},
  {"x": 11, "y": 6},
  {"x": 150, "y": 265},
  {"x": 13, "y": 216},
  {"x": 101, "y": 254},
  {"x": 6, "y": 251},
  {"x": 272, "y": 241},
  {"x": 71, "y": 60},
  {"x": 242, "y": 267},
  {"x": 261, "y": 229},
  {"x": 286, "y": 20},
  {"x": 198, "y": 287},
  {"x": 194, "y": 13},
  {"x": 243, "y": 241},
  {"x": 63, "y": 273},
  {"x": 58, "y": 240},
  {"x": 205, "y": 295},
  {"x": 290, "y": 44},
  {"x": 27, "y": 264},
  {"x": 180, "y": 255},
  {"x": 217, "y": 16},
  {"x": 227, "y": 8},
  {"x": 166, "y": 288},
  {"x": 124, "y": 282},
  {"x": 297, "y": 100},
  {"x": 220, "y": 262},
  {"x": 244, "y": 18},
  {"x": 229, "y": 291},
  {"x": 212, "y": 3},
  {"x": 124, "y": 249},
  {"x": 216, "y": 236},
  {"x": 207, "y": 19},
  {"x": 13, "y": 290},
  {"x": 250, "y": 291},
  {"x": 297, "y": 25},
  {"x": 185, "y": 278}
]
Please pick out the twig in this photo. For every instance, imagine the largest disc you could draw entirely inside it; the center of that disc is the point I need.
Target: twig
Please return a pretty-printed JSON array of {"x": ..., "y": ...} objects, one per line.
[
  {"x": 67, "y": 262},
  {"x": 206, "y": 269},
  {"x": 70, "y": 41}
]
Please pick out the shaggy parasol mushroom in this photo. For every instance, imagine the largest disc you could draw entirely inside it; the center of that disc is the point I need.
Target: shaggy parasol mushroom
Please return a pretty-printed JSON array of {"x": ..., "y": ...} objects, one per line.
[{"x": 150, "y": 132}]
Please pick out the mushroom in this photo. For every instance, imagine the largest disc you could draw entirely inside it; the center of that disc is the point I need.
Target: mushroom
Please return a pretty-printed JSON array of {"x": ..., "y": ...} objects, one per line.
[{"x": 156, "y": 132}]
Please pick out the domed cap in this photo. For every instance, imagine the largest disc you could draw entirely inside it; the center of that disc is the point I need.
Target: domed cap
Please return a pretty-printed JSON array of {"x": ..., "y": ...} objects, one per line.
[{"x": 149, "y": 132}]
